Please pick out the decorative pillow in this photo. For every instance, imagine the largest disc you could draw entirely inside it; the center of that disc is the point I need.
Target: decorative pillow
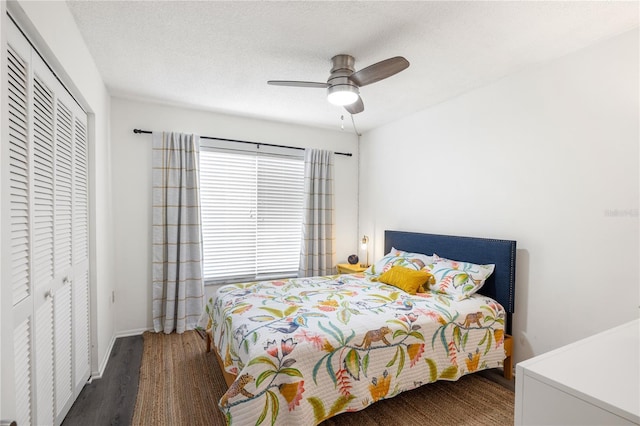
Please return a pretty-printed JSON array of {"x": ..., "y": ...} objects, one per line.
[
  {"x": 397, "y": 257},
  {"x": 406, "y": 279},
  {"x": 431, "y": 280},
  {"x": 456, "y": 278}
]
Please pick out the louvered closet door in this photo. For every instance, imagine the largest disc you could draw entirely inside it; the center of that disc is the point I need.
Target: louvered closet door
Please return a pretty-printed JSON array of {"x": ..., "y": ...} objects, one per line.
[
  {"x": 62, "y": 266},
  {"x": 71, "y": 263},
  {"x": 43, "y": 102},
  {"x": 48, "y": 185},
  {"x": 80, "y": 251},
  {"x": 17, "y": 259}
]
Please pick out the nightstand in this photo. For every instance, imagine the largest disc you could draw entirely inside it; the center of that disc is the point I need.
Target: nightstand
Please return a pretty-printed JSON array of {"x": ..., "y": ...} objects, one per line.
[{"x": 347, "y": 268}]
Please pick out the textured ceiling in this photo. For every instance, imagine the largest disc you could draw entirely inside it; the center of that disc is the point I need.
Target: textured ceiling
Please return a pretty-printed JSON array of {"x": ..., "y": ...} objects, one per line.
[{"x": 218, "y": 56}]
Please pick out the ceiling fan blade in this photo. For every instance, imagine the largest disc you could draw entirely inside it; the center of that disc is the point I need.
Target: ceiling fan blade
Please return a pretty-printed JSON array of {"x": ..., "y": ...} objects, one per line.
[
  {"x": 356, "y": 107},
  {"x": 298, "y": 84},
  {"x": 379, "y": 71}
]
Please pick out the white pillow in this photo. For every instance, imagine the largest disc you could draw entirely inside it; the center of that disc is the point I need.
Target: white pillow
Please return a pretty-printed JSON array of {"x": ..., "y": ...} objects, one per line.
[
  {"x": 458, "y": 278},
  {"x": 397, "y": 257}
]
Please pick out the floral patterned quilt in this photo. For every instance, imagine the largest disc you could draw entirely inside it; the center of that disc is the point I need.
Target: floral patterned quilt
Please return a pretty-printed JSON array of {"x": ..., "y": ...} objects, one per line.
[{"x": 306, "y": 349}]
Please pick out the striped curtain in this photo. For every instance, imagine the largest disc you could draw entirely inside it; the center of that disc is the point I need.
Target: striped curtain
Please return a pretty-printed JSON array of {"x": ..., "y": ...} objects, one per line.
[
  {"x": 178, "y": 289},
  {"x": 317, "y": 252}
]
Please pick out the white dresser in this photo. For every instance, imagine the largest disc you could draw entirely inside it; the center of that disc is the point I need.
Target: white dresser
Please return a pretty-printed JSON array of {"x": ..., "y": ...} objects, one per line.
[{"x": 594, "y": 381}]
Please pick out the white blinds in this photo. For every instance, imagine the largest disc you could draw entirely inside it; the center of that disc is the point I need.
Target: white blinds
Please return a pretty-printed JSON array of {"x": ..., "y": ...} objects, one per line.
[{"x": 251, "y": 215}]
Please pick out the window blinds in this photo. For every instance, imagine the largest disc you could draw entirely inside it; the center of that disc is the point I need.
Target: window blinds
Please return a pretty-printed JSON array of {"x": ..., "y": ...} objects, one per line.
[{"x": 251, "y": 215}]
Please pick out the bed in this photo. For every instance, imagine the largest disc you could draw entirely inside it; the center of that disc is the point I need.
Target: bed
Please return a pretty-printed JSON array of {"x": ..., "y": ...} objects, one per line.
[{"x": 302, "y": 350}]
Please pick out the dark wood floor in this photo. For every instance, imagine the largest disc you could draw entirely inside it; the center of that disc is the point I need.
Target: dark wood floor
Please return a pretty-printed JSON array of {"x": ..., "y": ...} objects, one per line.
[
  {"x": 111, "y": 399},
  {"x": 496, "y": 375}
]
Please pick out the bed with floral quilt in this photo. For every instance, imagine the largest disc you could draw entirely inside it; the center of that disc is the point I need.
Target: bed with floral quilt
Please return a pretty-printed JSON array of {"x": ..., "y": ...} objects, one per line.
[{"x": 302, "y": 350}]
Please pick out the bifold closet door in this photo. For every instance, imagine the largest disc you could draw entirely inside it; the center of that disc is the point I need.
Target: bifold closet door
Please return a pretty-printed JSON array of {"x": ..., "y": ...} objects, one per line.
[
  {"x": 48, "y": 211},
  {"x": 17, "y": 186}
]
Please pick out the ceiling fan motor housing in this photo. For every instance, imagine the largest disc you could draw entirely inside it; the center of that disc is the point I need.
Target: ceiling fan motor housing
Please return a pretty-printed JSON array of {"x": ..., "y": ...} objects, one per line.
[
  {"x": 343, "y": 67},
  {"x": 343, "y": 62}
]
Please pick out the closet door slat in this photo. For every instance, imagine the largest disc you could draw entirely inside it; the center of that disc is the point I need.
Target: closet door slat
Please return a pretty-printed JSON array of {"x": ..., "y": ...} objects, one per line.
[
  {"x": 63, "y": 346},
  {"x": 81, "y": 327},
  {"x": 81, "y": 195},
  {"x": 19, "y": 177},
  {"x": 63, "y": 187},
  {"x": 44, "y": 364},
  {"x": 43, "y": 182},
  {"x": 23, "y": 355}
]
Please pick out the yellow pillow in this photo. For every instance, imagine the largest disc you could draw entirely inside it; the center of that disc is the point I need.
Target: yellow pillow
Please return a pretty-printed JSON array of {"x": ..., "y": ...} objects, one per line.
[
  {"x": 431, "y": 280},
  {"x": 406, "y": 279}
]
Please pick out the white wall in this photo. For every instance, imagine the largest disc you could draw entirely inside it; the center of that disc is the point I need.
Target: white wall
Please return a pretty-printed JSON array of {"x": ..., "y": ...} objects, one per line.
[
  {"x": 131, "y": 155},
  {"x": 52, "y": 27},
  {"x": 544, "y": 157}
]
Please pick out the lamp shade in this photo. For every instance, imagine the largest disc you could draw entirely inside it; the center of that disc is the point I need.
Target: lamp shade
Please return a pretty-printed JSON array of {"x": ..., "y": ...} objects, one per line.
[
  {"x": 364, "y": 246},
  {"x": 364, "y": 243},
  {"x": 342, "y": 94}
]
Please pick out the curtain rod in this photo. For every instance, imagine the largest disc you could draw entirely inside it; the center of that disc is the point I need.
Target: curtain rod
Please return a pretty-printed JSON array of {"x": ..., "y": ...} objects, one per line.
[{"x": 347, "y": 154}]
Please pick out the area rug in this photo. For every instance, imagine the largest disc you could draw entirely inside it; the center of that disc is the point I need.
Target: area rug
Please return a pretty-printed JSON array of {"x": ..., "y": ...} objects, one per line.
[{"x": 181, "y": 384}]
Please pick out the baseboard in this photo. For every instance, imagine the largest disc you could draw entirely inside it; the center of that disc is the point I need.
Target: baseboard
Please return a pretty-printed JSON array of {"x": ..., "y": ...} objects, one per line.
[
  {"x": 103, "y": 365},
  {"x": 135, "y": 332}
]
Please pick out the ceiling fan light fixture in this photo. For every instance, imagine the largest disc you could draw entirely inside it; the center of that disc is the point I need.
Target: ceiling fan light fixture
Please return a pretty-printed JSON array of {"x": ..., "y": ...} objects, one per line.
[
  {"x": 343, "y": 94},
  {"x": 344, "y": 82}
]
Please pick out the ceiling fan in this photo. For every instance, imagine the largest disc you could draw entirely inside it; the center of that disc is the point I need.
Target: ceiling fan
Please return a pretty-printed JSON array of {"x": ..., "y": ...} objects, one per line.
[{"x": 344, "y": 83}]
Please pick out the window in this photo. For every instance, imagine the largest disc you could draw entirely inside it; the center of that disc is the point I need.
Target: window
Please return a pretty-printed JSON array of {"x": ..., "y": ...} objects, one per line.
[{"x": 251, "y": 215}]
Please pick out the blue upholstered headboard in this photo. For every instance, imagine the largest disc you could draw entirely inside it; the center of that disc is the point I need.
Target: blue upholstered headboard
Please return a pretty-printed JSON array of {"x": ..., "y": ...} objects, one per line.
[{"x": 500, "y": 286}]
